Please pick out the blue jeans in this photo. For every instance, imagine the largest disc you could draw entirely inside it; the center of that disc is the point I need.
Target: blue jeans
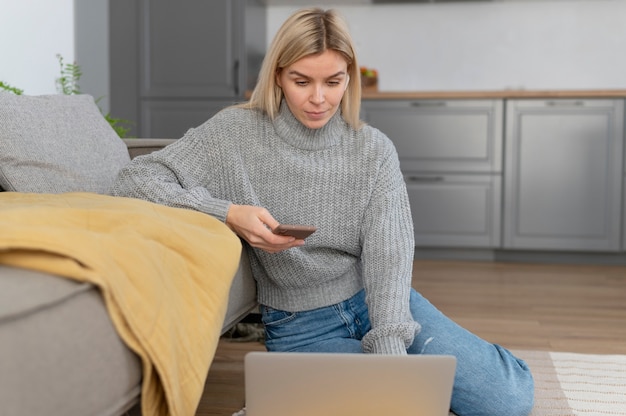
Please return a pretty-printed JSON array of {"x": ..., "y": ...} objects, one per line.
[{"x": 489, "y": 379}]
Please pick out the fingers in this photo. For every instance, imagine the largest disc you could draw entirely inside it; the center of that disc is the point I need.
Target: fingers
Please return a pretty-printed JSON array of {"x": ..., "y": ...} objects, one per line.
[
  {"x": 254, "y": 225},
  {"x": 276, "y": 248},
  {"x": 273, "y": 243},
  {"x": 266, "y": 218}
]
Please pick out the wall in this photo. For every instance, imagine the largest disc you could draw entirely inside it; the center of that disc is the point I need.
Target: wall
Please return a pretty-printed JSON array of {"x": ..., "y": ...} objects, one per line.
[
  {"x": 548, "y": 44},
  {"x": 32, "y": 33},
  {"x": 92, "y": 48}
]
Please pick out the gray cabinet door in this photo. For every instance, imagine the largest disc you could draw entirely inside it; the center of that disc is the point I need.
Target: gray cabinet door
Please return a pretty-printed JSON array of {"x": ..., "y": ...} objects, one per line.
[
  {"x": 171, "y": 119},
  {"x": 190, "y": 48},
  {"x": 563, "y": 174},
  {"x": 441, "y": 136},
  {"x": 455, "y": 210},
  {"x": 166, "y": 54}
]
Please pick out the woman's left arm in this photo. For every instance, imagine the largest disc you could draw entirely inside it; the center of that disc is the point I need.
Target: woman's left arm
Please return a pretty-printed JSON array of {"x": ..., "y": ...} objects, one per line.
[{"x": 388, "y": 246}]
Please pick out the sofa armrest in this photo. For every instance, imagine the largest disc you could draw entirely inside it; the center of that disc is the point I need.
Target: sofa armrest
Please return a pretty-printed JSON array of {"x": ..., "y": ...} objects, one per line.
[
  {"x": 242, "y": 298},
  {"x": 137, "y": 147}
]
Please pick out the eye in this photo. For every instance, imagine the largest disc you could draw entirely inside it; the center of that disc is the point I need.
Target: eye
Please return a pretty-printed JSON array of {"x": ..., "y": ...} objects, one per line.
[
  {"x": 302, "y": 83},
  {"x": 334, "y": 82}
]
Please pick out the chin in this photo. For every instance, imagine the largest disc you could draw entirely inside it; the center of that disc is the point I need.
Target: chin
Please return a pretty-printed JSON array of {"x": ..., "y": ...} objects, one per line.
[{"x": 315, "y": 124}]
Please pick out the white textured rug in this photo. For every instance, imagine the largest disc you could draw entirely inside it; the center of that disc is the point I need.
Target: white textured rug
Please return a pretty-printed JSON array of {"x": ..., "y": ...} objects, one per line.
[{"x": 570, "y": 384}]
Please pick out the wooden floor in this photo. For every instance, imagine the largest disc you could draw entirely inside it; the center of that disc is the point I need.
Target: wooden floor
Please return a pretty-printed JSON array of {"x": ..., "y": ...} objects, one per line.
[{"x": 520, "y": 306}]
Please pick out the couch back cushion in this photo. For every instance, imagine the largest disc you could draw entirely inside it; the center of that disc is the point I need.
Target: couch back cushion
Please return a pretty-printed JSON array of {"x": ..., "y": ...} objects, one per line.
[{"x": 56, "y": 144}]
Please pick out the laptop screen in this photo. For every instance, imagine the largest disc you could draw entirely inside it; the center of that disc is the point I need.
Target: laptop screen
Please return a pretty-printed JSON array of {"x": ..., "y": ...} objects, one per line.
[{"x": 328, "y": 384}]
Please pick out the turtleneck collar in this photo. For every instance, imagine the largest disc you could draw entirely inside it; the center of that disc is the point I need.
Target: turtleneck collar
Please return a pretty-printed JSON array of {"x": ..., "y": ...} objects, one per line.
[{"x": 296, "y": 134}]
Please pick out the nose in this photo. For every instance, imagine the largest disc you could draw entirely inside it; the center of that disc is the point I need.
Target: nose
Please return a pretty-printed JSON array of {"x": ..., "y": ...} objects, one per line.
[{"x": 318, "y": 94}]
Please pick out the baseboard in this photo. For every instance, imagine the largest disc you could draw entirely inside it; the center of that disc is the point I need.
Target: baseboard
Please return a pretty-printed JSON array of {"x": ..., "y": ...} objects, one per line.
[{"x": 521, "y": 256}]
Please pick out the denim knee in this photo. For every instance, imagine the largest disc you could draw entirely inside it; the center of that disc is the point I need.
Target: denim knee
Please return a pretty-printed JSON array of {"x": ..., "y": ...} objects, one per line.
[
  {"x": 523, "y": 401},
  {"x": 512, "y": 395},
  {"x": 511, "y": 401},
  {"x": 518, "y": 403},
  {"x": 517, "y": 398}
]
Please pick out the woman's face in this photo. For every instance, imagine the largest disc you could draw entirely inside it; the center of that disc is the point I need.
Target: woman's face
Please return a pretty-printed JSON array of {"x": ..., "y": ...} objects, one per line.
[{"x": 313, "y": 87}]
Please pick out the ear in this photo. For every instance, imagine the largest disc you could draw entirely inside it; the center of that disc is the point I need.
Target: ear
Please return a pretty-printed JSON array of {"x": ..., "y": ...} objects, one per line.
[
  {"x": 345, "y": 87},
  {"x": 277, "y": 78}
]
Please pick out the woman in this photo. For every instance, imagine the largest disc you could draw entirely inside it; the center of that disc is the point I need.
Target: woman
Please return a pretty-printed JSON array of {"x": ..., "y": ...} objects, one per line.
[{"x": 298, "y": 153}]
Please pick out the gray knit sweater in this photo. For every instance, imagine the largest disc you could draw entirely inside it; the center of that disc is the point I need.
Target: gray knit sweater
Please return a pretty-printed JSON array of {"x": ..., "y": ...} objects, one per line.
[{"x": 345, "y": 182}]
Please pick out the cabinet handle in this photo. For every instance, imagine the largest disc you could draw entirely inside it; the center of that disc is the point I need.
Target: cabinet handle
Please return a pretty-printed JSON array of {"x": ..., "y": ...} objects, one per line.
[
  {"x": 428, "y": 103},
  {"x": 425, "y": 178},
  {"x": 567, "y": 103},
  {"x": 236, "y": 76}
]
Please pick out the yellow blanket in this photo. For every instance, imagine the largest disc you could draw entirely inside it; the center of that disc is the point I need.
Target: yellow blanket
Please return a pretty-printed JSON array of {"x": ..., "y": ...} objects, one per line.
[{"x": 165, "y": 274}]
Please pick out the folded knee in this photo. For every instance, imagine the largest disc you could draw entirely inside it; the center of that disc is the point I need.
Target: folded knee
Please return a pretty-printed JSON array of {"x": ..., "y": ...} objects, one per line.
[
  {"x": 518, "y": 398},
  {"x": 512, "y": 396},
  {"x": 520, "y": 404},
  {"x": 519, "y": 395}
]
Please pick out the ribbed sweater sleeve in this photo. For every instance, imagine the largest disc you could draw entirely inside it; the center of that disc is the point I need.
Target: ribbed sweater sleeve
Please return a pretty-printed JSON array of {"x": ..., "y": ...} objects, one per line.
[
  {"x": 387, "y": 258},
  {"x": 182, "y": 174},
  {"x": 346, "y": 182}
]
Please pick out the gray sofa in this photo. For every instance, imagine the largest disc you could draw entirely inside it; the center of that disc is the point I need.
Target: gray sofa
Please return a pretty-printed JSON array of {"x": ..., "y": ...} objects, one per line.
[{"x": 59, "y": 352}]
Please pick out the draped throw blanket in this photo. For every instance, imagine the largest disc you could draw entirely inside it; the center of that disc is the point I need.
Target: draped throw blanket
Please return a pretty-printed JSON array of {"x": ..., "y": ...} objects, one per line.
[{"x": 165, "y": 274}]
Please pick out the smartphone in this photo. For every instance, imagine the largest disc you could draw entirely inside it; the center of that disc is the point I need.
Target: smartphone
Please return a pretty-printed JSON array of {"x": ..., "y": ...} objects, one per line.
[{"x": 299, "y": 231}]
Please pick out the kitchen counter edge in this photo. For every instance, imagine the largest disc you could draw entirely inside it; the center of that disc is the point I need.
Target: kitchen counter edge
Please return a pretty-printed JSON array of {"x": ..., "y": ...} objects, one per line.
[{"x": 496, "y": 94}]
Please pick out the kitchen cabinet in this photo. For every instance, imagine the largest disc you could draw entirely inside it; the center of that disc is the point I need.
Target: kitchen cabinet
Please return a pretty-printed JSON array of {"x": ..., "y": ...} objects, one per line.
[
  {"x": 189, "y": 49},
  {"x": 455, "y": 210},
  {"x": 172, "y": 118},
  {"x": 563, "y": 174},
  {"x": 180, "y": 62},
  {"x": 441, "y": 135},
  {"x": 450, "y": 153}
]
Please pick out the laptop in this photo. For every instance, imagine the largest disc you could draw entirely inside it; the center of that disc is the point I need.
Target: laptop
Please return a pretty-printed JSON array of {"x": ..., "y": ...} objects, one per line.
[{"x": 332, "y": 384}]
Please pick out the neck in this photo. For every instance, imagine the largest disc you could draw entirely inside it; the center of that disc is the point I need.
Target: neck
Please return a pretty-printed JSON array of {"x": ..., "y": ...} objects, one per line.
[{"x": 292, "y": 131}]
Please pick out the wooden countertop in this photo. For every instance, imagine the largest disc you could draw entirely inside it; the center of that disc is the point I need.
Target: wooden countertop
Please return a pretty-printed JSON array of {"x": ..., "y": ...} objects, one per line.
[{"x": 502, "y": 94}]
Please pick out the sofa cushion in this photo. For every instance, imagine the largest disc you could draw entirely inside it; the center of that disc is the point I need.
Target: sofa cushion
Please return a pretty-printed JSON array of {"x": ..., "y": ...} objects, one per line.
[
  {"x": 56, "y": 144},
  {"x": 59, "y": 351}
]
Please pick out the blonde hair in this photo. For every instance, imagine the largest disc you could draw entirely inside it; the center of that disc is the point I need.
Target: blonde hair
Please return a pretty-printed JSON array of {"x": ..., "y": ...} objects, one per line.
[{"x": 307, "y": 32}]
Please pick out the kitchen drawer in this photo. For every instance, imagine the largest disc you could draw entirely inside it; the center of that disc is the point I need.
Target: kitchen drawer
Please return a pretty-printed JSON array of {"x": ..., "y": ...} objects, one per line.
[
  {"x": 441, "y": 136},
  {"x": 172, "y": 118},
  {"x": 455, "y": 210}
]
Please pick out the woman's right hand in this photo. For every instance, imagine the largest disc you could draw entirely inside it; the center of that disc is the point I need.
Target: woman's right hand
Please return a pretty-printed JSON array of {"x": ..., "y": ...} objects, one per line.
[{"x": 255, "y": 225}]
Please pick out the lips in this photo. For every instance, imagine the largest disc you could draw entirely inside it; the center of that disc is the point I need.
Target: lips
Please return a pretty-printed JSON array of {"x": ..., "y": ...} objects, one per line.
[{"x": 315, "y": 115}]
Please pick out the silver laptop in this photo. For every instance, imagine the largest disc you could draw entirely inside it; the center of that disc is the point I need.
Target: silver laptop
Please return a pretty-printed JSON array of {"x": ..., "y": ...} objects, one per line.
[{"x": 325, "y": 384}]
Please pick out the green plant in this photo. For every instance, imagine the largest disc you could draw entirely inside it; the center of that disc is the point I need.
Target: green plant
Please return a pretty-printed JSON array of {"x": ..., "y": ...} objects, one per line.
[
  {"x": 7, "y": 87},
  {"x": 67, "y": 84},
  {"x": 120, "y": 125}
]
